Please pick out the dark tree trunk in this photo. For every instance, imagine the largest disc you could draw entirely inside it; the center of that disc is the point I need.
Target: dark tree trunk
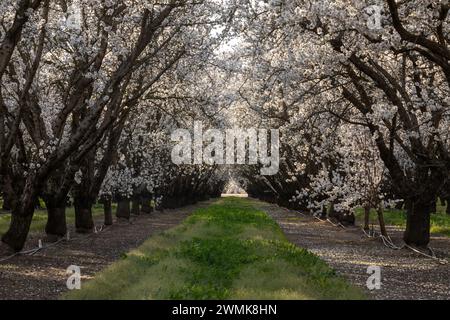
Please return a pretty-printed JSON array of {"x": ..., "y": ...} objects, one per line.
[
  {"x": 56, "y": 222},
  {"x": 123, "y": 209},
  {"x": 56, "y": 211},
  {"x": 348, "y": 218},
  {"x": 399, "y": 205},
  {"x": 18, "y": 230},
  {"x": 331, "y": 212},
  {"x": 107, "y": 208},
  {"x": 447, "y": 210},
  {"x": 21, "y": 217},
  {"x": 135, "y": 207},
  {"x": 367, "y": 218},
  {"x": 381, "y": 221},
  {"x": 323, "y": 214},
  {"x": 433, "y": 208},
  {"x": 84, "y": 223},
  {"x": 146, "y": 205},
  {"x": 417, "y": 231}
]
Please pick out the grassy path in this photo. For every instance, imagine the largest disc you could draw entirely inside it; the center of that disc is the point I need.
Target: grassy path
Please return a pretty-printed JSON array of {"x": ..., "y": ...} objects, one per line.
[{"x": 229, "y": 250}]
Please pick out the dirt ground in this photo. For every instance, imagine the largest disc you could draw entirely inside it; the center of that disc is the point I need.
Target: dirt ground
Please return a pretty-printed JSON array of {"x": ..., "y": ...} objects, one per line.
[
  {"x": 404, "y": 273},
  {"x": 43, "y": 275}
]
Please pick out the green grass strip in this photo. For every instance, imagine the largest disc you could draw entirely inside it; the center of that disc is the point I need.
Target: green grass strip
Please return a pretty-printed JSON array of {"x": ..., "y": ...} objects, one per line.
[{"x": 229, "y": 250}]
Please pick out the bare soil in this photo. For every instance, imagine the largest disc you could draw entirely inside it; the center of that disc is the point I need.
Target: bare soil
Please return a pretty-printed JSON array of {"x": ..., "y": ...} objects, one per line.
[
  {"x": 404, "y": 273},
  {"x": 43, "y": 275}
]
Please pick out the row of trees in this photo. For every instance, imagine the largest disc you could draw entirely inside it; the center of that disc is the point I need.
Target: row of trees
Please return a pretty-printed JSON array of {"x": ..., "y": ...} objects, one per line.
[
  {"x": 360, "y": 93},
  {"x": 89, "y": 93}
]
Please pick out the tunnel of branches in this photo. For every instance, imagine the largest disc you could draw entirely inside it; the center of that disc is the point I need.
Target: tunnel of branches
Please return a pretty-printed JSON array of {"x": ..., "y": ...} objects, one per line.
[{"x": 91, "y": 93}]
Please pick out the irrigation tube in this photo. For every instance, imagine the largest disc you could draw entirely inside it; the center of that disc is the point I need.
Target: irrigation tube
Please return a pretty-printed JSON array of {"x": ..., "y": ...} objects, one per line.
[
  {"x": 65, "y": 238},
  {"x": 387, "y": 242},
  {"x": 339, "y": 224}
]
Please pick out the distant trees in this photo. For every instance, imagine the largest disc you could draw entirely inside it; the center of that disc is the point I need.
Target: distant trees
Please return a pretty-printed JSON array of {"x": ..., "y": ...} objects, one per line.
[
  {"x": 90, "y": 91},
  {"x": 72, "y": 74},
  {"x": 361, "y": 98}
]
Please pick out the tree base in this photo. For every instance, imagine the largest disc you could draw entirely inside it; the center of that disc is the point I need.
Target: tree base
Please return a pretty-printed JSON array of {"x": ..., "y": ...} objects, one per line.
[
  {"x": 107, "y": 213},
  {"x": 417, "y": 231},
  {"x": 123, "y": 210},
  {"x": 56, "y": 223},
  {"x": 52, "y": 238},
  {"x": 84, "y": 230},
  {"x": 120, "y": 220}
]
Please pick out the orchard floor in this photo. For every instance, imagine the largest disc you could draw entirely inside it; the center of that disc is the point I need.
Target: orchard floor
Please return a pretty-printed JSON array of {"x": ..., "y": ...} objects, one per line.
[
  {"x": 43, "y": 275},
  {"x": 404, "y": 274}
]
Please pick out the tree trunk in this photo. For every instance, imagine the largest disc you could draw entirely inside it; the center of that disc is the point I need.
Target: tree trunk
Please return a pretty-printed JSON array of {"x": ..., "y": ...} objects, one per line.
[
  {"x": 399, "y": 205},
  {"x": 56, "y": 222},
  {"x": 84, "y": 222},
  {"x": 21, "y": 217},
  {"x": 447, "y": 210},
  {"x": 135, "y": 207},
  {"x": 367, "y": 218},
  {"x": 123, "y": 209},
  {"x": 108, "y": 212},
  {"x": 331, "y": 212},
  {"x": 18, "y": 230},
  {"x": 417, "y": 231},
  {"x": 323, "y": 214},
  {"x": 56, "y": 212},
  {"x": 159, "y": 204},
  {"x": 146, "y": 205},
  {"x": 381, "y": 221}
]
